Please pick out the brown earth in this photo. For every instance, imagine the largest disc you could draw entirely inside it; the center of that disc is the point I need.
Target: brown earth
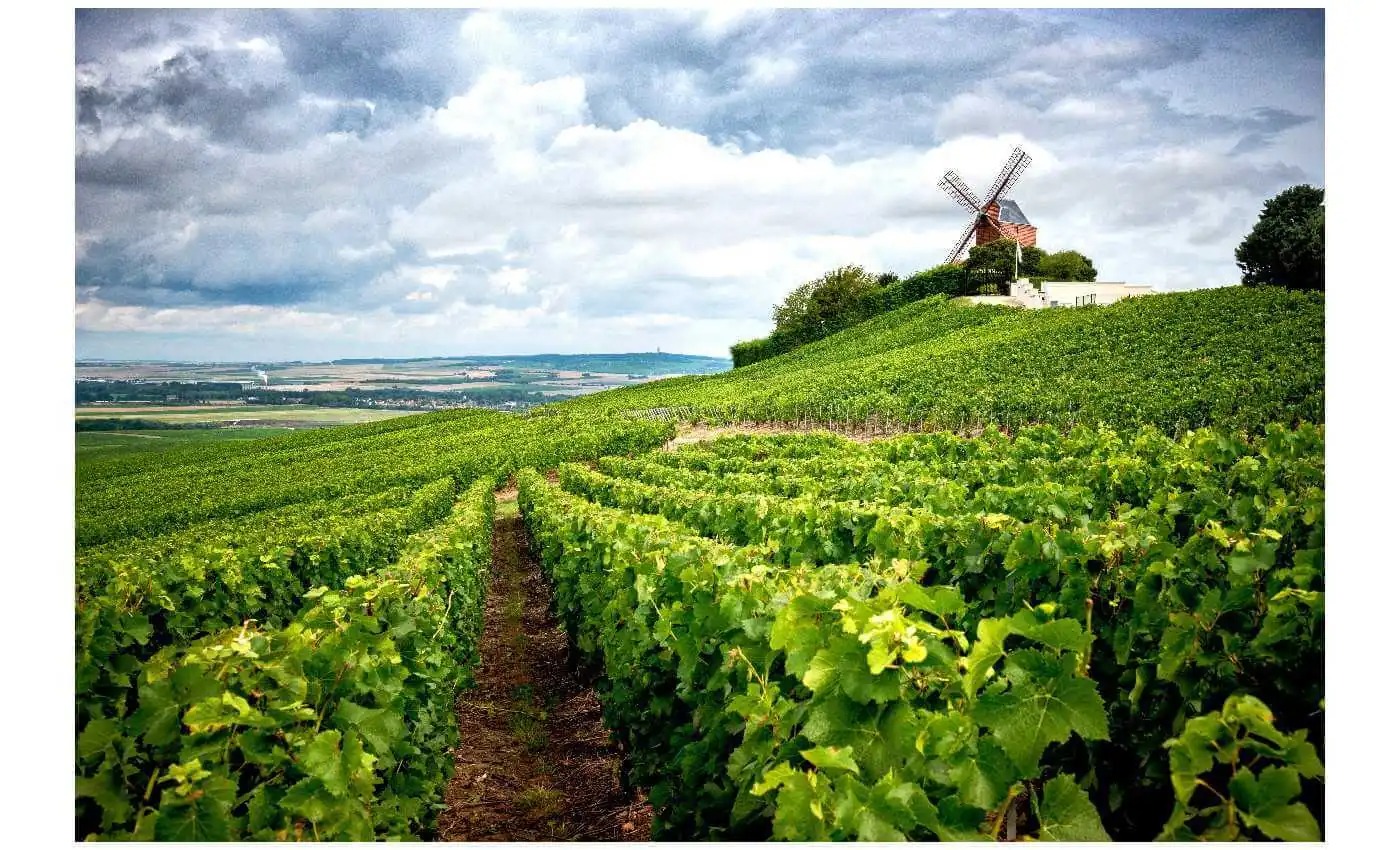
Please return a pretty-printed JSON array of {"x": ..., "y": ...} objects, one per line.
[
  {"x": 535, "y": 762},
  {"x": 694, "y": 433}
]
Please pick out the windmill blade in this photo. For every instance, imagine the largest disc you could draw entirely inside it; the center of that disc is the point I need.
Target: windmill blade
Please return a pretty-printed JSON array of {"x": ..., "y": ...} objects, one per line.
[
  {"x": 1010, "y": 173},
  {"x": 963, "y": 240},
  {"x": 957, "y": 189}
]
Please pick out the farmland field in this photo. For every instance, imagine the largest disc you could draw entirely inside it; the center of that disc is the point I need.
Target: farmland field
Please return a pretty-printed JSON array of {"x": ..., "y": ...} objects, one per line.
[
  {"x": 94, "y": 443},
  {"x": 243, "y": 415},
  {"x": 885, "y": 622},
  {"x": 1079, "y": 595}
]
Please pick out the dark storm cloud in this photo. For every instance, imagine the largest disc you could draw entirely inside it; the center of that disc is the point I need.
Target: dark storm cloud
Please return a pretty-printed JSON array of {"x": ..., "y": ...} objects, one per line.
[
  {"x": 1266, "y": 125},
  {"x": 199, "y": 88},
  {"x": 390, "y": 57}
]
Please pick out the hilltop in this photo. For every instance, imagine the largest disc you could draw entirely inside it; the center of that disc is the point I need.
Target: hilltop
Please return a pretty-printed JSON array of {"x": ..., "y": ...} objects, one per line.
[{"x": 1231, "y": 357}]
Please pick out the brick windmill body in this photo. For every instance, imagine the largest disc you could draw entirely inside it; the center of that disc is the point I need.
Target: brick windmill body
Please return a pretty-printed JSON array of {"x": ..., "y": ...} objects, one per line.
[{"x": 1004, "y": 220}]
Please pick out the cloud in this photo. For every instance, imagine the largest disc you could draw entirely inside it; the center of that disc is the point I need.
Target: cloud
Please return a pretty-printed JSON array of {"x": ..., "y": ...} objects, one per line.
[{"x": 455, "y": 181}]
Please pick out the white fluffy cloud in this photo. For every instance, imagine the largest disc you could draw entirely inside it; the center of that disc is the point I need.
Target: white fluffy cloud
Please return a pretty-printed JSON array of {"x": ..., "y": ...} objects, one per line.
[{"x": 579, "y": 185}]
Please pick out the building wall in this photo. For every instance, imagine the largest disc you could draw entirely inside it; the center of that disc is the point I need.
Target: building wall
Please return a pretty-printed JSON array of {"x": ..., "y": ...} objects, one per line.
[
  {"x": 1023, "y": 233},
  {"x": 1063, "y": 293},
  {"x": 1003, "y": 300},
  {"x": 1074, "y": 293}
]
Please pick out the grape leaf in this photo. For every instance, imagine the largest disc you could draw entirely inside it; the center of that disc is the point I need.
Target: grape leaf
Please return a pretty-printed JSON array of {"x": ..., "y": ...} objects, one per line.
[
  {"x": 833, "y": 758},
  {"x": 321, "y": 758},
  {"x": 1031, "y": 716},
  {"x": 1066, "y": 813},
  {"x": 97, "y": 736}
]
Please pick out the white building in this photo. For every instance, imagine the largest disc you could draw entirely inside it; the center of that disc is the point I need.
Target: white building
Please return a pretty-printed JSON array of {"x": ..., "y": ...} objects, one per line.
[{"x": 1061, "y": 293}]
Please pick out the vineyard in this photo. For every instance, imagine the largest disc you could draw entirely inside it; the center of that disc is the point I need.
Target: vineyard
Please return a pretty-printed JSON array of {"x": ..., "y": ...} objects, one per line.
[
  {"x": 1230, "y": 357},
  {"x": 1081, "y": 599},
  {"x": 1066, "y": 636},
  {"x": 269, "y": 640}
]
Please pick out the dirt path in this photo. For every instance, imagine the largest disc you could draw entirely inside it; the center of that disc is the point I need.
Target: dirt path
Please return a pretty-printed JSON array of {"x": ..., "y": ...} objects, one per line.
[
  {"x": 863, "y": 433},
  {"x": 535, "y": 762}
]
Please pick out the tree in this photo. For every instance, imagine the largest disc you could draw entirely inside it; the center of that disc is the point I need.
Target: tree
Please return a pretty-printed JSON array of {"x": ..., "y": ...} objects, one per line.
[
  {"x": 1068, "y": 265},
  {"x": 1285, "y": 248},
  {"x": 994, "y": 263},
  {"x": 825, "y": 305}
]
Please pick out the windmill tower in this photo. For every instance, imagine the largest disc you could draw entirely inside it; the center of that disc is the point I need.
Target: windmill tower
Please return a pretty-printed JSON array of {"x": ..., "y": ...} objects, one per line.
[{"x": 994, "y": 217}]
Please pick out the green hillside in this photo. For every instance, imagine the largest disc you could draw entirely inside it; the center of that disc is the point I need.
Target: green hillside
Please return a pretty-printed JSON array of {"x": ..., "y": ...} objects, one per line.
[
  {"x": 1232, "y": 357},
  {"x": 271, "y": 635}
]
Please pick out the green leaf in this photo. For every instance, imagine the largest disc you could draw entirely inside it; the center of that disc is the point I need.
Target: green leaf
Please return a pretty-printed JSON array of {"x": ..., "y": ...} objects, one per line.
[
  {"x": 97, "y": 736},
  {"x": 262, "y": 813},
  {"x": 1066, "y": 813},
  {"x": 874, "y": 828},
  {"x": 832, "y": 721},
  {"x": 824, "y": 671},
  {"x": 193, "y": 683},
  {"x": 940, "y": 601},
  {"x": 832, "y": 758},
  {"x": 986, "y": 652},
  {"x": 321, "y": 758},
  {"x": 309, "y": 799},
  {"x": 196, "y": 820},
  {"x": 222, "y": 712},
  {"x": 985, "y": 780},
  {"x": 907, "y": 805},
  {"x": 157, "y": 719},
  {"x": 1063, "y": 635},
  {"x": 1192, "y": 753},
  {"x": 1033, "y": 715},
  {"x": 890, "y": 742},
  {"x": 137, "y": 627},
  {"x": 380, "y": 728},
  {"x": 1292, "y": 822},
  {"x": 797, "y": 815},
  {"x": 106, "y": 789},
  {"x": 1266, "y": 803}
]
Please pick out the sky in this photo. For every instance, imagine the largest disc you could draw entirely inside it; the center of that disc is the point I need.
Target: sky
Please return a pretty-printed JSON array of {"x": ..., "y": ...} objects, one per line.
[{"x": 313, "y": 184}]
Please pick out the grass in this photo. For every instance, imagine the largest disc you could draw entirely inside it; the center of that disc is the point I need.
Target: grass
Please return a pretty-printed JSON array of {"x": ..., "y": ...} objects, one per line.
[
  {"x": 240, "y": 412},
  {"x": 105, "y": 443},
  {"x": 537, "y": 802},
  {"x": 527, "y": 720}
]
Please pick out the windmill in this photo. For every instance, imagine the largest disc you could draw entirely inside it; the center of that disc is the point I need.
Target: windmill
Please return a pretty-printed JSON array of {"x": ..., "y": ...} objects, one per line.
[{"x": 992, "y": 218}]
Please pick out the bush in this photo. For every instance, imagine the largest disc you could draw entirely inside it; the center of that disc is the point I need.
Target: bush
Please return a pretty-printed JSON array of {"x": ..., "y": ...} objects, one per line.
[
  {"x": 752, "y": 351},
  {"x": 948, "y": 279}
]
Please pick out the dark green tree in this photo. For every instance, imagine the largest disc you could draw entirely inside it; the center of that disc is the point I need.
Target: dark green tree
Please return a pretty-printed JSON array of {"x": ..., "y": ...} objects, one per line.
[
  {"x": 1285, "y": 248},
  {"x": 993, "y": 264},
  {"x": 1068, "y": 265}
]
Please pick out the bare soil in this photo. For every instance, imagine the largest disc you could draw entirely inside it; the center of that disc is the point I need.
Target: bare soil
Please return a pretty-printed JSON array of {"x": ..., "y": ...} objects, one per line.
[
  {"x": 694, "y": 433},
  {"x": 535, "y": 762}
]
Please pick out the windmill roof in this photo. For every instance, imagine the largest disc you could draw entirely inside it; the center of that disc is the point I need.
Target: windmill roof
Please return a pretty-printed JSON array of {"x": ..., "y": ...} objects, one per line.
[{"x": 1010, "y": 213}]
